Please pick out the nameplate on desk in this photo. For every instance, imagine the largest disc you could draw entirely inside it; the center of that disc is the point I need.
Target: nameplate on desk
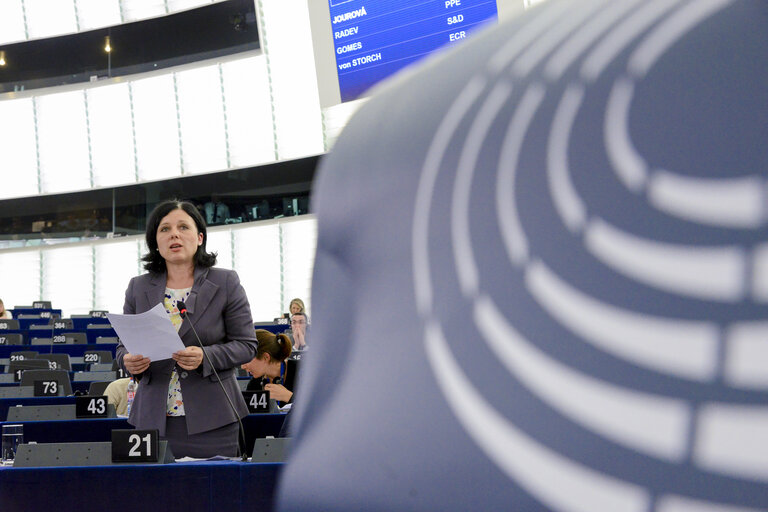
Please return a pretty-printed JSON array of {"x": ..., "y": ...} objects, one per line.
[
  {"x": 258, "y": 401},
  {"x": 46, "y": 387},
  {"x": 135, "y": 445},
  {"x": 75, "y": 454},
  {"x": 59, "y": 338},
  {"x": 91, "y": 407},
  {"x": 270, "y": 449},
  {"x": 17, "y": 375},
  {"x": 91, "y": 357}
]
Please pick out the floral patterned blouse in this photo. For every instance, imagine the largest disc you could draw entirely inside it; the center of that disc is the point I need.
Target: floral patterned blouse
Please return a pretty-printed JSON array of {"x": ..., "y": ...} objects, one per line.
[{"x": 174, "y": 406}]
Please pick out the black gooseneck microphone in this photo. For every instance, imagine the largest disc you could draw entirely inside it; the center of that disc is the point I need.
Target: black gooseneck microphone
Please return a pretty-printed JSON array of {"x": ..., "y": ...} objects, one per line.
[
  {"x": 183, "y": 312},
  {"x": 53, "y": 333}
]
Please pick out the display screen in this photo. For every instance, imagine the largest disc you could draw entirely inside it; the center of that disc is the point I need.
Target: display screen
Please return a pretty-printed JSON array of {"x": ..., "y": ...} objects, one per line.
[{"x": 373, "y": 39}]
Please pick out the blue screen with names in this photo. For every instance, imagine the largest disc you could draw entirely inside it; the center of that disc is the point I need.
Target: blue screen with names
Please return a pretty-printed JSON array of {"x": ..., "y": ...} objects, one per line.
[{"x": 373, "y": 39}]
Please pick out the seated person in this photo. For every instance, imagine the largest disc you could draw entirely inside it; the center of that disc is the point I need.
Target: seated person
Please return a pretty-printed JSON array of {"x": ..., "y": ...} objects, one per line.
[
  {"x": 296, "y": 306},
  {"x": 117, "y": 394},
  {"x": 272, "y": 351},
  {"x": 216, "y": 212},
  {"x": 4, "y": 313},
  {"x": 298, "y": 331}
]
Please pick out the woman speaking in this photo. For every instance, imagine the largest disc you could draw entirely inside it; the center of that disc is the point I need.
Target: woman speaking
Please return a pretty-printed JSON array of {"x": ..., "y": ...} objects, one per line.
[{"x": 181, "y": 397}]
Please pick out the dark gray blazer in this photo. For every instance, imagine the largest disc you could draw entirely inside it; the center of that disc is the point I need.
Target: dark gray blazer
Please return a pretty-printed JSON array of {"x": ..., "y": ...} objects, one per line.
[{"x": 219, "y": 310}]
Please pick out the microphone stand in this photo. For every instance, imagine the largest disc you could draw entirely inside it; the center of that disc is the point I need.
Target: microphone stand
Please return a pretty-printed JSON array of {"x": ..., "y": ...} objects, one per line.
[{"x": 183, "y": 312}]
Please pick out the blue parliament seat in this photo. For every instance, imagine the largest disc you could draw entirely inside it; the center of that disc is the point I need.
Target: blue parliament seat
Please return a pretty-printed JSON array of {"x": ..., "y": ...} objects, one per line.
[
  {"x": 9, "y": 324},
  {"x": 34, "y": 328},
  {"x": 74, "y": 350},
  {"x": 11, "y": 338},
  {"x": 8, "y": 384},
  {"x": 68, "y": 338},
  {"x": 100, "y": 429},
  {"x": 80, "y": 379},
  {"x": 7, "y": 403},
  {"x": 53, "y": 327},
  {"x": 98, "y": 356},
  {"x": 28, "y": 317},
  {"x": 29, "y": 311},
  {"x": 208, "y": 486},
  {"x": 95, "y": 331},
  {"x": 93, "y": 376},
  {"x": 34, "y": 321},
  {"x": 272, "y": 327},
  {"x": 77, "y": 338},
  {"x": 81, "y": 322},
  {"x": 20, "y": 355},
  {"x": 29, "y": 377},
  {"x": 58, "y": 361},
  {"x": 23, "y": 333},
  {"x": 28, "y": 364},
  {"x": 16, "y": 391},
  {"x": 96, "y": 388},
  {"x": 37, "y": 323},
  {"x": 63, "y": 324},
  {"x": 98, "y": 367}
]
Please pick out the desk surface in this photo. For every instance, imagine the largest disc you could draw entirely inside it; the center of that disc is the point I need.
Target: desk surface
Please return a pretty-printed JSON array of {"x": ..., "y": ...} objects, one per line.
[
  {"x": 203, "y": 486},
  {"x": 7, "y": 403}
]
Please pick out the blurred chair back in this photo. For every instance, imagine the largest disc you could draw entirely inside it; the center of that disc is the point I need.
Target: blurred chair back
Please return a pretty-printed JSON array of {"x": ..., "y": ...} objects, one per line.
[
  {"x": 97, "y": 388},
  {"x": 541, "y": 278},
  {"x": 61, "y": 361},
  {"x": 11, "y": 338},
  {"x": 29, "y": 377}
]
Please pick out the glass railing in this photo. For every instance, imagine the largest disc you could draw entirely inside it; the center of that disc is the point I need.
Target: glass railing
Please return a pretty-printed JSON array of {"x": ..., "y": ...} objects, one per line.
[{"x": 236, "y": 196}]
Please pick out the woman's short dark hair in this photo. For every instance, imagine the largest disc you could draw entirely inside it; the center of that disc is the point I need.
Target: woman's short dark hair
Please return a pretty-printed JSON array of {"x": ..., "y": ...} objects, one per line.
[{"x": 156, "y": 263}]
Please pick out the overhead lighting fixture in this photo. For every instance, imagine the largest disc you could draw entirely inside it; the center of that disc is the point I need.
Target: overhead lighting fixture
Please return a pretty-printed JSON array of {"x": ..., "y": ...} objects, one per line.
[
  {"x": 2, "y": 57},
  {"x": 107, "y": 45}
]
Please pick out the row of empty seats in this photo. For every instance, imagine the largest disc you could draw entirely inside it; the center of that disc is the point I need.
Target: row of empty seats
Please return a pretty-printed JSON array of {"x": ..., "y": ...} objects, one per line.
[{"x": 83, "y": 360}]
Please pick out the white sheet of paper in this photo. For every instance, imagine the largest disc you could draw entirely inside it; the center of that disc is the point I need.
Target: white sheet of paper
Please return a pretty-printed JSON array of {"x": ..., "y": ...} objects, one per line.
[{"x": 150, "y": 334}]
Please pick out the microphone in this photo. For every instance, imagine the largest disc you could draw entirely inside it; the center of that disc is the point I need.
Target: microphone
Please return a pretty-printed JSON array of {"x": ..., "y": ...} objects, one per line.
[
  {"x": 183, "y": 312},
  {"x": 53, "y": 333}
]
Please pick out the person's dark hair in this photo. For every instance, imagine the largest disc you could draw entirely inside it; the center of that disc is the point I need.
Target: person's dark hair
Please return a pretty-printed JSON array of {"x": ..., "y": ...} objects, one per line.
[
  {"x": 155, "y": 263},
  {"x": 278, "y": 346}
]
